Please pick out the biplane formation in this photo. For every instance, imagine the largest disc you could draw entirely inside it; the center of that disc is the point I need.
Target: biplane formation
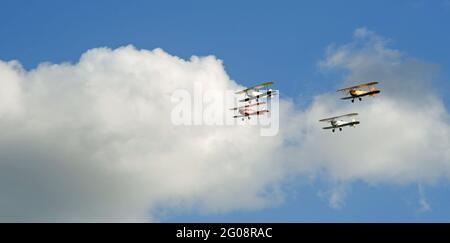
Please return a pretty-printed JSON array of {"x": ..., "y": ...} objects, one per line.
[
  {"x": 336, "y": 123},
  {"x": 253, "y": 94},
  {"x": 354, "y": 92}
]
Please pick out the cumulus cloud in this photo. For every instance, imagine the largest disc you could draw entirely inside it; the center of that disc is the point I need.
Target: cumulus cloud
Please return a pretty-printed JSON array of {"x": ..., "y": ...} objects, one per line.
[
  {"x": 404, "y": 136},
  {"x": 93, "y": 140}
]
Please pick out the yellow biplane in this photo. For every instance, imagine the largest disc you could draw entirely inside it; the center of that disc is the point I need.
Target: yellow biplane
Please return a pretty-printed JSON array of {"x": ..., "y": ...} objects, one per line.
[{"x": 356, "y": 92}]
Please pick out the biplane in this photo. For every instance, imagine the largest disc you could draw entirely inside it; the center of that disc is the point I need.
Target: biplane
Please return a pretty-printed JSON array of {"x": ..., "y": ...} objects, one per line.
[
  {"x": 249, "y": 110},
  {"x": 356, "y": 92},
  {"x": 337, "y": 123},
  {"x": 253, "y": 93}
]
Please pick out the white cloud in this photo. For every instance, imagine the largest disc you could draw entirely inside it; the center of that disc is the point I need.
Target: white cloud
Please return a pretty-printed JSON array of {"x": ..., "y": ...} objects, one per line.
[
  {"x": 404, "y": 136},
  {"x": 424, "y": 205},
  {"x": 335, "y": 196},
  {"x": 93, "y": 141}
]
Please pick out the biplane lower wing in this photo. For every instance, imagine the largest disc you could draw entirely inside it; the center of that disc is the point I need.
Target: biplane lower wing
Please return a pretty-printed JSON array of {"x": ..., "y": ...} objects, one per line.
[
  {"x": 343, "y": 125},
  {"x": 256, "y": 113},
  {"x": 371, "y": 92},
  {"x": 246, "y": 106},
  {"x": 267, "y": 94}
]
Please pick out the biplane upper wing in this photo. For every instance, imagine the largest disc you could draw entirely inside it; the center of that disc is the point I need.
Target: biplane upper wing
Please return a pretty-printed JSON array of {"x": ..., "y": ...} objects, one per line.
[
  {"x": 268, "y": 93},
  {"x": 260, "y": 86},
  {"x": 256, "y": 113},
  {"x": 357, "y": 86},
  {"x": 245, "y": 106},
  {"x": 336, "y": 117}
]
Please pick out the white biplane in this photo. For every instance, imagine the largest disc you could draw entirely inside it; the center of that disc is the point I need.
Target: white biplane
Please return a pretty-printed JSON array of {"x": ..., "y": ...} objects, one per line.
[
  {"x": 249, "y": 110},
  {"x": 337, "y": 123},
  {"x": 252, "y": 93},
  {"x": 356, "y": 92}
]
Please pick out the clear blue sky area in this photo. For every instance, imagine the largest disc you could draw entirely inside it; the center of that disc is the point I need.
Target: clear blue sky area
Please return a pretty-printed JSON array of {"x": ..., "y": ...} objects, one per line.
[{"x": 258, "y": 41}]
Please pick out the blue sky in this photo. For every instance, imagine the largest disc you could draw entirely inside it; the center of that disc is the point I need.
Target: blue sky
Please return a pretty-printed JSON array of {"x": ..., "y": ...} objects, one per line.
[
  {"x": 258, "y": 41},
  {"x": 289, "y": 37}
]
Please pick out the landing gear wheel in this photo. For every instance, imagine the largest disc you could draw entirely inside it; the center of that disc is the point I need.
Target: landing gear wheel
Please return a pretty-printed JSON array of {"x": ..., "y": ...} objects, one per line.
[
  {"x": 353, "y": 101},
  {"x": 332, "y": 130},
  {"x": 340, "y": 129},
  {"x": 243, "y": 119},
  {"x": 360, "y": 99}
]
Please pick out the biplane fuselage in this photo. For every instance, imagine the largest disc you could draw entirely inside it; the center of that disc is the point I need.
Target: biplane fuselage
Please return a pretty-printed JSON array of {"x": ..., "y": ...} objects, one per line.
[
  {"x": 356, "y": 92},
  {"x": 359, "y": 93},
  {"x": 256, "y": 95},
  {"x": 249, "y": 110},
  {"x": 253, "y": 93},
  {"x": 246, "y": 111},
  {"x": 339, "y": 123}
]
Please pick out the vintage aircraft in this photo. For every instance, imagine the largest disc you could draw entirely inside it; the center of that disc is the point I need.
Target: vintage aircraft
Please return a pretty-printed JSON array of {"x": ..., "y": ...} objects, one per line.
[
  {"x": 357, "y": 92},
  {"x": 252, "y": 93},
  {"x": 338, "y": 123},
  {"x": 249, "y": 110}
]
